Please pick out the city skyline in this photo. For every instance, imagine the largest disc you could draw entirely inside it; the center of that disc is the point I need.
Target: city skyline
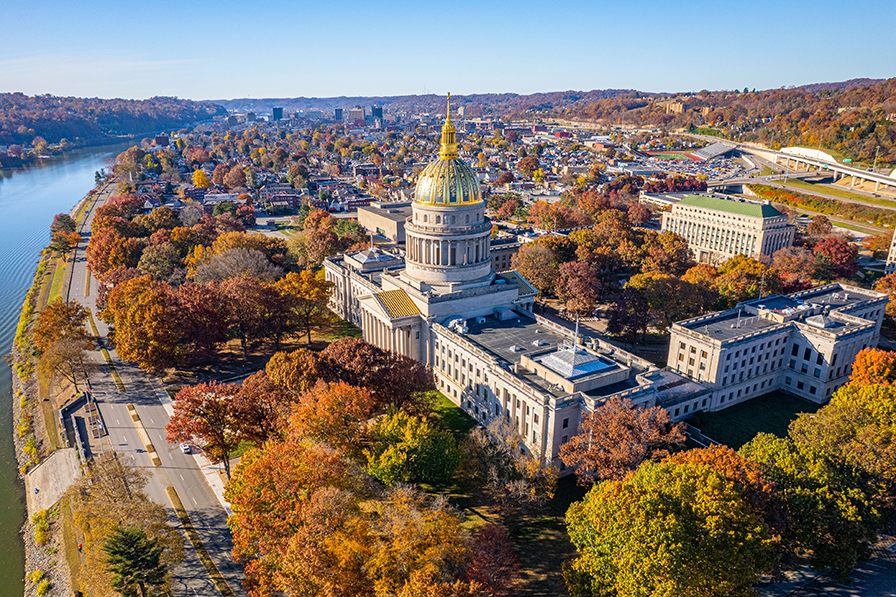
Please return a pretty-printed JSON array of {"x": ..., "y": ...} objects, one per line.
[{"x": 235, "y": 50}]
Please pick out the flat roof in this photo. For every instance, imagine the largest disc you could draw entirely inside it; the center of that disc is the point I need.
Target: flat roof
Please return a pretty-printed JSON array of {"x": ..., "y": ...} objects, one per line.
[
  {"x": 743, "y": 208},
  {"x": 396, "y": 214},
  {"x": 729, "y": 326},
  {"x": 837, "y": 297}
]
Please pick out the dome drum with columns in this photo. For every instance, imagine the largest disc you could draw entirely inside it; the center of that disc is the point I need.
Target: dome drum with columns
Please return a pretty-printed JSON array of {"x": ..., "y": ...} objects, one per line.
[{"x": 448, "y": 236}]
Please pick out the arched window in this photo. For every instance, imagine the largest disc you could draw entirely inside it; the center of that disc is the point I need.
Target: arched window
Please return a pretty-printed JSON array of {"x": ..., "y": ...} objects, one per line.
[
  {"x": 468, "y": 218},
  {"x": 425, "y": 217},
  {"x": 438, "y": 219}
]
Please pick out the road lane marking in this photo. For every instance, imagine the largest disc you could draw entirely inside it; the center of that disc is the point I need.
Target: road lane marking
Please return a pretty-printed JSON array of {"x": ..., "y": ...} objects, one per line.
[
  {"x": 182, "y": 478},
  {"x": 194, "y": 500}
]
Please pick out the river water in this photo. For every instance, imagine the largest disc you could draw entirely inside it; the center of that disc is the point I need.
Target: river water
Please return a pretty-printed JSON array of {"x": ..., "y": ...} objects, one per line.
[{"x": 29, "y": 199}]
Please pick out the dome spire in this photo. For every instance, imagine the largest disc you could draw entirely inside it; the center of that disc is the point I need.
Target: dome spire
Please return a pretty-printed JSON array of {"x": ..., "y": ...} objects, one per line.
[{"x": 448, "y": 150}]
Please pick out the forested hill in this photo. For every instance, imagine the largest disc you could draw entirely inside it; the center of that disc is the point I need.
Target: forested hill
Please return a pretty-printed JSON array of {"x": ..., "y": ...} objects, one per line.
[
  {"x": 83, "y": 120},
  {"x": 852, "y": 118},
  {"x": 479, "y": 104}
]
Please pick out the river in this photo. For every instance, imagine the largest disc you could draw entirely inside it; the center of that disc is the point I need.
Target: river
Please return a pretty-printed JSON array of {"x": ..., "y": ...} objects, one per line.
[{"x": 29, "y": 199}]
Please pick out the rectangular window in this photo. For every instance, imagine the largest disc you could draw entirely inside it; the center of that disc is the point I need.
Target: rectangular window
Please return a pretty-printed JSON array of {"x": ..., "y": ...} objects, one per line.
[
  {"x": 702, "y": 354},
  {"x": 812, "y": 390},
  {"x": 565, "y": 423},
  {"x": 820, "y": 359},
  {"x": 676, "y": 412},
  {"x": 804, "y": 368},
  {"x": 795, "y": 351},
  {"x": 817, "y": 372},
  {"x": 686, "y": 409},
  {"x": 800, "y": 385},
  {"x": 564, "y": 439},
  {"x": 808, "y": 354},
  {"x": 787, "y": 380}
]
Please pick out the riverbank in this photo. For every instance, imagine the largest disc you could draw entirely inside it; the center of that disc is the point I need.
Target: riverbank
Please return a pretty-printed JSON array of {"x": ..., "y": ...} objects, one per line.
[{"x": 48, "y": 546}]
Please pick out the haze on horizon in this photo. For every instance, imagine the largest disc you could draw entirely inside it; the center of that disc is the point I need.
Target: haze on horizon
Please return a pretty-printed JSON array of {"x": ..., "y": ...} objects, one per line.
[{"x": 236, "y": 49}]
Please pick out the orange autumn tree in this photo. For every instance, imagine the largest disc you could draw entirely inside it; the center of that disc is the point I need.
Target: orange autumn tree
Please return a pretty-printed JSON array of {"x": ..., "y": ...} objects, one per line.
[
  {"x": 334, "y": 413},
  {"x": 874, "y": 366}
]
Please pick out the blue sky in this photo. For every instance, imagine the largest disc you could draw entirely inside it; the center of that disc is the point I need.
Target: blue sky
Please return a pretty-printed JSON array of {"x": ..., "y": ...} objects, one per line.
[{"x": 201, "y": 49}]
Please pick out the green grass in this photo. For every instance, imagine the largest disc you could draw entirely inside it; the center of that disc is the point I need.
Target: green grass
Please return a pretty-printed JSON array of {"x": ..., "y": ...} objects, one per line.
[
  {"x": 735, "y": 426},
  {"x": 106, "y": 356},
  {"x": 766, "y": 171},
  {"x": 342, "y": 329},
  {"x": 241, "y": 449},
  {"x": 450, "y": 416},
  {"x": 835, "y": 192},
  {"x": 286, "y": 228},
  {"x": 58, "y": 282}
]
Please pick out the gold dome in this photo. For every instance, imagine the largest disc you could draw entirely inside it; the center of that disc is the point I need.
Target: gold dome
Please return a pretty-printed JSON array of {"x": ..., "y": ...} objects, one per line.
[{"x": 448, "y": 180}]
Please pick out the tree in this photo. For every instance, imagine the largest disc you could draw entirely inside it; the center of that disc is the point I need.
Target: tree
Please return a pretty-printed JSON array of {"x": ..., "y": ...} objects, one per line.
[
  {"x": 306, "y": 295},
  {"x": 67, "y": 358},
  {"x": 109, "y": 250},
  {"x": 60, "y": 320},
  {"x": 703, "y": 277},
  {"x": 628, "y": 315},
  {"x": 639, "y": 214},
  {"x": 236, "y": 178},
  {"x": 296, "y": 525},
  {"x": 205, "y": 414},
  {"x": 667, "y": 253},
  {"x": 741, "y": 278},
  {"x": 261, "y": 409},
  {"x": 145, "y": 317},
  {"x": 528, "y": 165},
  {"x": 836, "y": 258},
  {"x": 887, "y": 284},
  {"x": 873, "y": 366},
  {"x": 63, "y": 223},
  {"x": 797, "y": 266},
  {"x": 201, "y": 180},
  {"x": 617, "y": 437},
  {"x": 296, "y": 371},
  {"x": 135, "y": 562},
  {"x": 394, "y": 380},
  {"x": 203, "y": 315},
  {"x": 578, "y": 286},
  {"x": 819, "y": 226},
  {"x": 107, "y": 483},
  {"x": 334, "y": 413},
  {"x": 63, "y": 242},
  {"x": 220, "y": 172},
  {"x": 248, "y": 302},
  {"x": 538, "y": 265},
  {"x": 670, "y": 299},
  {"x": 673, "y": 529},
  {"x": 407, "y": 449},
  {"x": 504, "y": 178},
  {"x": 831, "y": 504},
  {"x": 160, "y": 261},
  {"x": 238, "y": 263},
  {"x": 494, "y": 564}
]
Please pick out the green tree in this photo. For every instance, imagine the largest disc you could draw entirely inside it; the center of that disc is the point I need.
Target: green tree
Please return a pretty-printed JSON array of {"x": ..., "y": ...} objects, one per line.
[
  {"x": 670, "y": 530},
  {"x": 134, "y": 561},
  {"x": 408, "y": 449}
]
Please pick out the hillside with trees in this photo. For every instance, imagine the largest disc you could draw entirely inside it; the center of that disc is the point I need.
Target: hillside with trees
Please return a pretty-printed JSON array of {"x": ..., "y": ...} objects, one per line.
[
  {"x": 80, "y": 121},
  {"x": 852, "y": 118}
]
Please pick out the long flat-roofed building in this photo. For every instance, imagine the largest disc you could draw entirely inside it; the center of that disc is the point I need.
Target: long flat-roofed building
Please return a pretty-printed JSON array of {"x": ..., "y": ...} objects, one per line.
[
  {"x": 803, "y": 343},
  {"x": 718, "y": 229}
]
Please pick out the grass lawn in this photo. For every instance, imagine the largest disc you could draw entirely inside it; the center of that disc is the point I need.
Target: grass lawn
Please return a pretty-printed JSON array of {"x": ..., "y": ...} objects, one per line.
[
  {"x": 451, "y": 417},
  {"x": 58, "y": 282},
  {"x": 735, "y": 426},
  {"x": 340, "y": 329},
  {"x": 835, "y": 192},
  {"x": 286, "y": 228}
]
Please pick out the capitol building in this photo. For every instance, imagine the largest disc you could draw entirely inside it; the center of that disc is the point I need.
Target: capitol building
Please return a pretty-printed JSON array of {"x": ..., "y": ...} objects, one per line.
[{"x": 442, "y": 303}]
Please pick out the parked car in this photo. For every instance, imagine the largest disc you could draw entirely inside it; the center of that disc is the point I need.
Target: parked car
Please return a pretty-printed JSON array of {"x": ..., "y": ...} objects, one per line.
[{"x": 186, "y": 449}]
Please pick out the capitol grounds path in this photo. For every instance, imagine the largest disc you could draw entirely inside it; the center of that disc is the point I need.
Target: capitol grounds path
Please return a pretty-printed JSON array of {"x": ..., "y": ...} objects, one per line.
[{"x": 192, "y": 477}]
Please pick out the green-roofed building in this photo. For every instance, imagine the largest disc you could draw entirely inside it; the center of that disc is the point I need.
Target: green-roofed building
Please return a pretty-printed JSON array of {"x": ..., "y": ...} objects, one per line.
[{"x": 718, "y": 228}]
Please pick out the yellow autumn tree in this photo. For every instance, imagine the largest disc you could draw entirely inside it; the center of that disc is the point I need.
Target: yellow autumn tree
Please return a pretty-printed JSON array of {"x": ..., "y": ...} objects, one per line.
[{"x": 201, "y": 180}]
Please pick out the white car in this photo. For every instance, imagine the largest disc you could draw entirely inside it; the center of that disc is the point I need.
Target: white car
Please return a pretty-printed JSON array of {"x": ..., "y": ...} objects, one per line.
[{"x": 186, "y": 449}]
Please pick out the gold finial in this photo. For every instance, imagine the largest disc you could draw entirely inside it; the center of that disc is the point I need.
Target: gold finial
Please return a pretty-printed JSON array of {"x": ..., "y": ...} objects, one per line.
[{"x": 448, "y": 150}]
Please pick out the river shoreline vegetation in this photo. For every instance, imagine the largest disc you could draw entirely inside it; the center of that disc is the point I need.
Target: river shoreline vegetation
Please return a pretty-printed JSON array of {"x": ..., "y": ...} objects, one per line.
[{"x": 34, "y": 127}]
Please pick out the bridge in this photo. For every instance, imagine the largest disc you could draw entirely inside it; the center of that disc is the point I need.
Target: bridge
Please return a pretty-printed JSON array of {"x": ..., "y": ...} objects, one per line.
[{"x": 796, "y": 162}]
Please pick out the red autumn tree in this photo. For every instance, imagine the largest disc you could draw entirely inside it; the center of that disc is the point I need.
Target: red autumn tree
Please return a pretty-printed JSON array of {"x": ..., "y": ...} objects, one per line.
[
  {"x": 261, "y": 409},
  {"x": 617, "y": 437},
  {"x": 578, "y": 286},
  {"x": 494, "y": 564},
  {"x": 205, "y": 414},
  {"x": 840, "y": 258}
]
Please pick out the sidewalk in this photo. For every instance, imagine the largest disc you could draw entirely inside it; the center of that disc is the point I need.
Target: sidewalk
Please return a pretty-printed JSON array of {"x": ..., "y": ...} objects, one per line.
[{"x": 209, "y": 470}]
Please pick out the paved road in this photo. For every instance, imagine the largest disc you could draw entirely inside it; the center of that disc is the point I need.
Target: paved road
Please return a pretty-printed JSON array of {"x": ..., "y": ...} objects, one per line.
[{"x": 178, "y": 469}]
